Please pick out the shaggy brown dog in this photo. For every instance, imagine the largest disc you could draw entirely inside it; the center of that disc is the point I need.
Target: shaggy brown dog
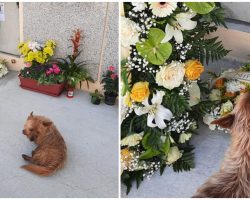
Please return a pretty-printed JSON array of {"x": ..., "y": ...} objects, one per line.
[
  {"x": 233, "y": 179},
  {"x": 50, "y": 153}
]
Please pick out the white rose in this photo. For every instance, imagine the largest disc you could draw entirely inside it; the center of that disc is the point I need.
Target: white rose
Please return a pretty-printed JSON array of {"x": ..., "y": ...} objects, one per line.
[
  {"x": 215, "y": 95},
  {"x": 234, "y": 86},
  {"x": 207, "y": 119},
  {"x": 138, "y": 6},
  {"x": 125, "y": 52},
  {"x": 132, "y": 140},
  {"x": 129, "y": 32},
  {"x": 184, "y": 137},
  {"x": 171, "y": 76},
  {"x": 173, "y": 155},
  {"x": 194, "y": 94},
  {"x": 226, "y": 108}
]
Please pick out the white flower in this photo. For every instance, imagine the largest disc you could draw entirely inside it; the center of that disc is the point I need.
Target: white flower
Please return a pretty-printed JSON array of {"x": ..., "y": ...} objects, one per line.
[
  {"x": 156, "y": 111},
  {"x": 129, "y": 32},
  {"x": 3, "y": 70},
  {"x": 194, "y": 93},
  {"x": 138, "y": 6},
  {"x": 125, "y": 52},
  {"x": 234, "y": 86},
  {"x": 34, "y": 46},
  {"x": 173, "y": 155},
  {"x": 183, "y": 22},
  {"x": 226, "y": 108},
  {"x": 207, "y": 119},
  {"x": 171, "y": 76},
  {"x": 215, "y": 95},
  {"x": 184, "y": 137},
  {"x": 132, "y": 140},
  {"x": 163, "y": 9}
]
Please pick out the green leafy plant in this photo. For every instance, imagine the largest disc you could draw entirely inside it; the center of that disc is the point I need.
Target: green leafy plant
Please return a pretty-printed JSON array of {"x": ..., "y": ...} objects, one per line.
[
  {"x": 110, "y": 81},
  {"x": 96, "y": 97}
]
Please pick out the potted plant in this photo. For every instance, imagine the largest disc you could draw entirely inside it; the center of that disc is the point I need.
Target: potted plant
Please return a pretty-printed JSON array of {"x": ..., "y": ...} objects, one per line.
[
  {"x": 96, "y": 97},
  {"x": 3, "y": 68},
  {"x": 110, "y": 81},
  {"x": 39, "y": 74},
  {"x": 74, "y": 71}
]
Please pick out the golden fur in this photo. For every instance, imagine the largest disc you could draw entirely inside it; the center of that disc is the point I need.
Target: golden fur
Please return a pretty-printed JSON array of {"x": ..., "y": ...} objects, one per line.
[
  {"x": 50, "y": 153},
  {"x": 233, "y": 179}
]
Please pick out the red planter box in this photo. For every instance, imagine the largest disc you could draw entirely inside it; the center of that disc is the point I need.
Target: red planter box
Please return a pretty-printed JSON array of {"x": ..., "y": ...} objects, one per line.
[{"x": 30, "y": 84}]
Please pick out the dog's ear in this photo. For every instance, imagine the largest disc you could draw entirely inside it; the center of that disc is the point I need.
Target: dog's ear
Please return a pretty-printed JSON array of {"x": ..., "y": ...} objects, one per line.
[
  {"x": 47, "y": 123},
  {"x": 224, "y": 122},
  {"x": 31, "y": 115}
]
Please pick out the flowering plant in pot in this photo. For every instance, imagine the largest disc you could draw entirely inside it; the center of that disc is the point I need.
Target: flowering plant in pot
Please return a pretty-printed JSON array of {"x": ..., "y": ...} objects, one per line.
[
  {"x": 96, "y": 97},
  {"x": 3, "y": 68},
  {"x": 74, "y": 71},
  {"x": 110, "y": 81},
  {"x": 39, "y": 73}
]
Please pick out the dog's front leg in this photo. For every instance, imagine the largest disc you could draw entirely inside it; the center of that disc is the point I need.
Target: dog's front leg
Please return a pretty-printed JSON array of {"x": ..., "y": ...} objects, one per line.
[{"x": 27, "y": 158}]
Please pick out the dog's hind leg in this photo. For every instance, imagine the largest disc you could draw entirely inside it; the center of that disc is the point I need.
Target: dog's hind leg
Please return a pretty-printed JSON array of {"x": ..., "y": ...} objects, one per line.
[{"x": 27, "y": 158}]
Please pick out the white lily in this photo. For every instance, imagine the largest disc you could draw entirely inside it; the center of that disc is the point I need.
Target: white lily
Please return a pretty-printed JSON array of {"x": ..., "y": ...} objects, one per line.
[
  {"x": 183, "y": 22},
  {"x": 156, "y": 111}
]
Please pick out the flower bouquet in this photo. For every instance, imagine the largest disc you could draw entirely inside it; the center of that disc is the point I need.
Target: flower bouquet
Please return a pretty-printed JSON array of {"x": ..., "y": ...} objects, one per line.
[
  {"x": 226, "y": 88},
  {"x": 163, "y": 51},
  {"x": 39, "y": 74},
  {"x": 110, "y": 81},
  {"x": 3, "y": 68}
]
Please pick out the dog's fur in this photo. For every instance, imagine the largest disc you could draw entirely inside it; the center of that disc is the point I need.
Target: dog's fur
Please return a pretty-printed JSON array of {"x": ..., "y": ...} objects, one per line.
[
  {"x": 50, "y": 153},
  {"x": 233, "y": 179}
]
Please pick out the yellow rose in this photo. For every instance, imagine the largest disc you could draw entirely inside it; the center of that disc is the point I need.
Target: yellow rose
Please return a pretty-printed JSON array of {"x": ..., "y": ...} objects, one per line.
[
  {"x": 126, "y": 156},
  {"x": 193, "y": 69},
  {"x": 140, "y": 91}
]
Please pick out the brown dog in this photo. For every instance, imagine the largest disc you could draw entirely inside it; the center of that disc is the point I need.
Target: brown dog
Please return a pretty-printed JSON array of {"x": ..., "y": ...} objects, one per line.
[
  {"x": 50, "y": 153},
  {"x": 233, "y": 179}
]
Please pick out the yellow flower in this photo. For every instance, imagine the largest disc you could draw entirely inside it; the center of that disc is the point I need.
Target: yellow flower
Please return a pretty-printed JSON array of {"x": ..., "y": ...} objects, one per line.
[
  {"x": 140, "y": 91},
  {"x": 24, "y": 49},
  {"x": 50, "y": 43},
  {"x": 48, "y": 50},
  {"x": 126, "y": 156},
  {"x": 226, "y": 108},
  {"x": 193, "y": 69},
  {"x": 31, "y": 56},
  {"x": 127, "y": 100}
]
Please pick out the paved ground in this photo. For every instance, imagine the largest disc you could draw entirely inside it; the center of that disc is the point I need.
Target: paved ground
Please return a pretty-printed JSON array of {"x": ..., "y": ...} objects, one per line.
[
  {"x": 90, "y": 132},
  {"x": 209, "y": 152}
]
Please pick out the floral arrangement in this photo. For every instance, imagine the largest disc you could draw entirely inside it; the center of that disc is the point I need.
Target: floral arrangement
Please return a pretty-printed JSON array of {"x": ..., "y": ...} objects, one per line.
[
  {"x": 225, "y": 90},
  {"x": 35, "y": 53},
  {"x": 163, "y": 48},
  {"x": 110, "y": 81},
  {"x": 3, "y": 68}
]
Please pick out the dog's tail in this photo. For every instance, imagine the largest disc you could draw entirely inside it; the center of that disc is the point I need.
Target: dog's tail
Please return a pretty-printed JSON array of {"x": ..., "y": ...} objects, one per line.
[{"x": 39, "y": 170}]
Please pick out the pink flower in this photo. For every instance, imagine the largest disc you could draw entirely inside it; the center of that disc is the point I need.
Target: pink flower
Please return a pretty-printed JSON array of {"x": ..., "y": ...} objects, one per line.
[
  {"x": 55, "y": 66},
  {"x": 114, "y": 76},
  {"x": 57, "y": 70},
  {"x": 48, "y": 72},
  {"x": 111, "y": 68},
  {"x": 28, "y": 64}
]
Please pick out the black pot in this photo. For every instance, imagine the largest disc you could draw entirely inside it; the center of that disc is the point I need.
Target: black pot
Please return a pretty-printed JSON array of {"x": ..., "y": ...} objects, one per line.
[
  {"x": 95, "y": 100},
  {"x": 110, "y": 99}
]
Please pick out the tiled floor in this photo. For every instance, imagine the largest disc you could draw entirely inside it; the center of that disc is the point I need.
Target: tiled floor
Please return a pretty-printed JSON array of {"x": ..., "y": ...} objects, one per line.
[{"x": 90, "y": 132}]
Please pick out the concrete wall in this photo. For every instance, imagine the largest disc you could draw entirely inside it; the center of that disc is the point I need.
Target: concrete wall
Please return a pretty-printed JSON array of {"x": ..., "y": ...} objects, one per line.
[
  {"x": 237, "y": 10},
  {"x": 99, "y": 22}
]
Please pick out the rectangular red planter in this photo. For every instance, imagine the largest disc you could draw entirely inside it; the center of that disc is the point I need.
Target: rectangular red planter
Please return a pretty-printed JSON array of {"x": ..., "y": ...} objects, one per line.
[{"x": 30, "y": 84}]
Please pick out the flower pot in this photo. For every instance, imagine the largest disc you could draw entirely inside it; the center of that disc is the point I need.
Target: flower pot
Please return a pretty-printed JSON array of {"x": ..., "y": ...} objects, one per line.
[
  {"x": 70, "y": 92},
  {"x": 31, "y": 84},
  {"x": 110, "y": 99},
  {"x": 95, "y": 100}
]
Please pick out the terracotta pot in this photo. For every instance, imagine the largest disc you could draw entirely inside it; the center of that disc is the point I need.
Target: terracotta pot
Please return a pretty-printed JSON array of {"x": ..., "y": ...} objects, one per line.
[
  {"x": 110, "y": 99},
  {"x": 31, "y": 84}
]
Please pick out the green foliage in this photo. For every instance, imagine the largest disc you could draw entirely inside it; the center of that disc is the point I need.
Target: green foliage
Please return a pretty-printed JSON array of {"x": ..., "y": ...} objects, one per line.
[
  {"x": 152, "y": 49},
  {"x": 176, "y": 103},
  {"x": 124, "y": 76},
  {"x": 50, "y": 79},
  {"x": 217, "y": 16},
  {"x": 186, "y": 162},
  {"x": 96, "y": 94},
  {"x": 74, "y": 72},
  {"x": 201, "y": 7},
  {"x": 110, "y": 81}
]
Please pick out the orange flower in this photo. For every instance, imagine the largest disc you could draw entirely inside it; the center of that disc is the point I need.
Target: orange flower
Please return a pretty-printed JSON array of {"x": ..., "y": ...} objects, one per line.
[
  {"x": 219, "y": 83},
  {"x": 193, "y": 69},
  {"x": 230, "y": 94},
  {"x": 140, "y": 91},
  {"x": 126, "y": 156}
]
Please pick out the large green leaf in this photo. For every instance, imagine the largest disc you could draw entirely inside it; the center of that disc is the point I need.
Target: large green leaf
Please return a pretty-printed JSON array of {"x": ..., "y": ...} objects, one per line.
[
  {"x": 150, "y": 153},
  {"x": 201, "y": 7},
  {"x": 152, "y": 49}
]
